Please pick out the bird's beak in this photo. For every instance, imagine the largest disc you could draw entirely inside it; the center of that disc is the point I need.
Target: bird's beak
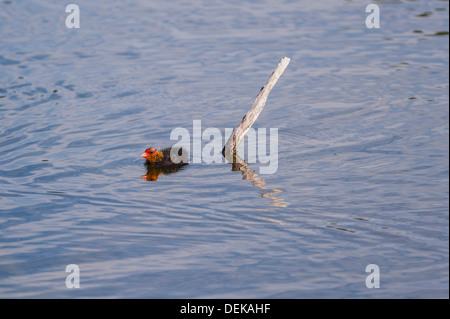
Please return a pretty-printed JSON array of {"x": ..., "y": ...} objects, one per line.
[{"x": 144, "y": 155}]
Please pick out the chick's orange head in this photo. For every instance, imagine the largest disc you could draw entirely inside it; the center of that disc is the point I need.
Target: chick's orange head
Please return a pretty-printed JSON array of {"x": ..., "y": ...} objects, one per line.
[{"x": 152, "y": 155}]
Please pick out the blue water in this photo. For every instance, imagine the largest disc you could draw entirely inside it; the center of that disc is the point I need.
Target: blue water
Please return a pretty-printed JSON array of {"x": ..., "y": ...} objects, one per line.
[{"x": 363, "y": 130}]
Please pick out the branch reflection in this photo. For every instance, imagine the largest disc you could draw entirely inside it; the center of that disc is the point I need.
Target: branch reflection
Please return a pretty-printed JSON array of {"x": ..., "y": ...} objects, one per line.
[{"x": 238, "y": 164}]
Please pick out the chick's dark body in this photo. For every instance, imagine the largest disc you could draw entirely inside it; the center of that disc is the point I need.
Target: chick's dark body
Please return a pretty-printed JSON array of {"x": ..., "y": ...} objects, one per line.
[{"x": 166, "y": 161}]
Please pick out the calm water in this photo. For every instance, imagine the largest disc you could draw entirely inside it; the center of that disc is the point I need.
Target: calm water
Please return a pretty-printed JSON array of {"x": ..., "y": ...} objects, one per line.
[{"x": 363, "y": 136}]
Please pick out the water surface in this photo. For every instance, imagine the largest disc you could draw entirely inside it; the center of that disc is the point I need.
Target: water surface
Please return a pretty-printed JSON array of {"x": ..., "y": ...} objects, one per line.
[{"x": 363, "y": 157}]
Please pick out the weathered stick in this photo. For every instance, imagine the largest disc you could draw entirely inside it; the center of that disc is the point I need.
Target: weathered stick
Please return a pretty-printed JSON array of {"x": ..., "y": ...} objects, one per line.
[{"x": 239, "y": 132}]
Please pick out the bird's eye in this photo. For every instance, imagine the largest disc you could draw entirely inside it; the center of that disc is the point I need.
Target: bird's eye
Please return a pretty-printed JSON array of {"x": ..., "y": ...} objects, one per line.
[{"x": 152, "y": 150}]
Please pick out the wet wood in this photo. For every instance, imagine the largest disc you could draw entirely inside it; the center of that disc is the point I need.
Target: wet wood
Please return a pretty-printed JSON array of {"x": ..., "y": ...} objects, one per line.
[{"x": 239, "y": 132}]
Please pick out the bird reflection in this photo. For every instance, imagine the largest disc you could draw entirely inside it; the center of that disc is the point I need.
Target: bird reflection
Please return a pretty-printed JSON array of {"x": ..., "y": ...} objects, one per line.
[
  {"x": 238, "y": 164},
  {"x": 153, "y": 173}
]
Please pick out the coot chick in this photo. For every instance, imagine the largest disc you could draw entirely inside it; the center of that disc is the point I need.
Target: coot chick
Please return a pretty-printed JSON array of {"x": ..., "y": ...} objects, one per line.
[{"x": 155, "y": 158}]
